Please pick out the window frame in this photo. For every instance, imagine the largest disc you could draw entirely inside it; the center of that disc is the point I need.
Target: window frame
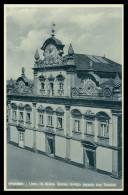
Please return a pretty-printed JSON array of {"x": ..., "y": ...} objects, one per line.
[
  {"x": 22, "y": 116},
  {"x": 51, "y": 122},
  {"x": 92, "y": 127},
  {"x": 41, "y": 119},
  {"x": 78, "y": 125},
  {"x": 14, "y": 118},
  {"x": 58, "y": 117},
  {"x": 28, "y": 121},
  {"x": 104, "y": 123}
]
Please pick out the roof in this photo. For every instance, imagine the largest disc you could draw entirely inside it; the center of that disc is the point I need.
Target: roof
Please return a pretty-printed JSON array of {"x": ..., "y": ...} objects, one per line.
[
  {"x": 24, "y": 78},
  {"x": 82, "y": 62}
]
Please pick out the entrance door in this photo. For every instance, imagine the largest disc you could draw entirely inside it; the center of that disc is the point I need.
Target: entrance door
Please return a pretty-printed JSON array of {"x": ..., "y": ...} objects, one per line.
[
  {"x": 89, "y": 159},
  {"x": 21, "y": 139},
  {"x": 50, "y": 146}
]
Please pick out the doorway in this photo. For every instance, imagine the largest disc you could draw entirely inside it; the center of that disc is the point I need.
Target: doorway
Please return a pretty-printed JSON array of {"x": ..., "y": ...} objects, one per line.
[
  {"x": 50, "y": 145},
  {"x": 21, "y": 139},
  {"x": 89, "y": 159}
]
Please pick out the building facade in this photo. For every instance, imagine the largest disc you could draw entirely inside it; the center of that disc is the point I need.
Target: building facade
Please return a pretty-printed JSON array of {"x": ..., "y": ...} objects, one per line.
[{"x": 72, "y": 111}]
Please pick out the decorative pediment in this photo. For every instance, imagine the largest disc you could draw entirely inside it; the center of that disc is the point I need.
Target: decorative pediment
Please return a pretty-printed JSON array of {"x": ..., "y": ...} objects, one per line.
[
  {"x": 49, "y": 110},
  {"x": 42, "y": 78},
  {"x": 41, "y": 108},
  {"x": 89, "y": 114},
  {"x": 102, "y": 116},
  {"x": 21, "y": 106},
  {"x": 76, "y": 113},
  {"x": 51, "y": 77},
  {"x": 14, "y": 106},
  {"x": 60, "y": 77},
  {"x": 27, "y": 107},
  {"x": 59, "y": 111}
]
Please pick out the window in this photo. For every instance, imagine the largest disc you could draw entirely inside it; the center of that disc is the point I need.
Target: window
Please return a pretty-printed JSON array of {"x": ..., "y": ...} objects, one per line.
[
  {"x": 42, "y": 85},
  {"x": 59, "y": 122},
  {"x": 28, "y": 117},
  {"x": 14, "y": 115},
  {"x": 61, "y": 86},
  {"x": 104, "y": 130},
  {"x": 77, "y": 125},
  {"x": 49, "y": 120},
  {"x": 89, "y": 126},
  {"x": 41, "y": 119},
  {"x": 21, "y": 116}
]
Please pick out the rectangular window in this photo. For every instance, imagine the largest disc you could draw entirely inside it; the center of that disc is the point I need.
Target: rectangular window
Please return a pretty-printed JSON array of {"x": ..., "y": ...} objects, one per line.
[
  {"x": 14, "y": 115},
  {"x": 59, "y": 122},
  {"x": 104, "y": 130},
  {"x": 61, "y": 86},
  {"x": 50, "y": 121},
  {"x": 41, "y": 119},
  {"x": 77, "y": 125},
  {"x": 89, "y": 127},
  {"x": 21, "y": 116},
  {"x": 28, "y": 119}
]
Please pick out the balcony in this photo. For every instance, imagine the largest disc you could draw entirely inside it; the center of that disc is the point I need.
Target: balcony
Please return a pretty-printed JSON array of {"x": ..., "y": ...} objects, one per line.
[{"x": 103, "y": 140}]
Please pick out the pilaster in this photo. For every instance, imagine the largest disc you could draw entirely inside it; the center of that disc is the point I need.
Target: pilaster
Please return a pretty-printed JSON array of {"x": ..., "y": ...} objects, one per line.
[
  {"x": 35, "y": 82},
  {"x": 34, "y": 125},
  {"x": 67, "y": 132},
  {"x": 96, "y": 130}
]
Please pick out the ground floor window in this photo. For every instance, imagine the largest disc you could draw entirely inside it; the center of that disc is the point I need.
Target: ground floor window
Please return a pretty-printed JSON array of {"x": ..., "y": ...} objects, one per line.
[
  {"x": 50, "y": 122},
  {"x": 41, "y": 119},
  {"x": 21, "y": 116},
  {"x": 59, "y": 122},
  {"x": 28, "y": 117},
  {"x": 14, "y": 116},
  {"x": 77, "y": 125}
]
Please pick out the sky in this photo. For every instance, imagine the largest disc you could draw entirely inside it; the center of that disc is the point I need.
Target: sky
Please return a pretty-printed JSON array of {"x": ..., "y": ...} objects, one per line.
[{"x": 90, "y": 30}]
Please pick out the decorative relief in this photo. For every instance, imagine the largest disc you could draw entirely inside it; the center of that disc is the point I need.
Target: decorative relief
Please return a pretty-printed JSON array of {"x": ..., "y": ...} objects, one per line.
[
  {"x": 59, "y": 111},
  {"x": 27, "y": 107},
  {"x": 41, "y": 108},
  {"x": 21, "y": 106}
]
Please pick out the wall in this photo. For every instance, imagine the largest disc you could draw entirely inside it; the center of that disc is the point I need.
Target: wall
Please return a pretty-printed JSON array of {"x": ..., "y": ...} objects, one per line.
[
  {"x": 40, "y": 141},
  {"x": 29, "y": 138},
  {"x": 60, "y": 146},
  {"x": 104, "y": 159},
  {"x": 13, "y": 134},
  {"x": 76, "y": 154}
]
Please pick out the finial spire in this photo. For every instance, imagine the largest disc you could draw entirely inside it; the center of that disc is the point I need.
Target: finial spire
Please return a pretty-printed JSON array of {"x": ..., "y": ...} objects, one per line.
[
  {"x": 37, "y": 56},
  {"x": 70, "y": 50},
  {"x": 23, "y": 70},
  {"x": 53, "y": 29}
]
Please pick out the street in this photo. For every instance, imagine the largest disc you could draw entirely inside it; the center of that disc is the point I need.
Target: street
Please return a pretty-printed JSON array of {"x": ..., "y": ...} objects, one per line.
[{"x": 26, "y": 169}]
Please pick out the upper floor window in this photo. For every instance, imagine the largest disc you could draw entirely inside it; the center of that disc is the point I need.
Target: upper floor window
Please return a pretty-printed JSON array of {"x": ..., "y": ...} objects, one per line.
[
  {"x": 50, "y": 122},
  {"x": 61, "y": 86},
  {"x": 103, "y": 119},
  {"x": 59, "y": 122},
  {"x": 104, "y": 131},
  {"x": 41, "y": 119},
  {"x": 42, "y": 85},
  {"x": 21, "y": 116},
  {"x": 89, "y": 127},
  {"x": 14, "y": 116},
  {"x": 28, "y": 117},
  {"x": 77, "y": 125}
]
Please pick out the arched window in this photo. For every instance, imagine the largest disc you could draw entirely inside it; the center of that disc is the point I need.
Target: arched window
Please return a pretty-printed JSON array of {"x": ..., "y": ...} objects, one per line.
[
  {"x": 60, "y": 78},
  {"x": 28, "y": 110},
  {"x": 60, "y": 119},
  {"x": 41, "y": 111},
  {"x": 103, "y": 127},
  {"x": 49, "y": 112},
  {"x": 42, "y": 82},
  {"x": 90, "y": 117}
]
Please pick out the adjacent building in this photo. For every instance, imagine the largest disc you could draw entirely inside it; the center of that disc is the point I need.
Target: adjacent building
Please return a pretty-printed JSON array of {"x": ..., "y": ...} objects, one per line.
[{"x": 71, "y": 111}]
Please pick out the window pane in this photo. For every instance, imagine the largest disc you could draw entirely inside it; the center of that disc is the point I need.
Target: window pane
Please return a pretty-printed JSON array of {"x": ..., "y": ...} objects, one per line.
[
  {"x": 50, "y": 120},
  {"x": 59, "y": 122},
  {"x": 77, "y": 125}
]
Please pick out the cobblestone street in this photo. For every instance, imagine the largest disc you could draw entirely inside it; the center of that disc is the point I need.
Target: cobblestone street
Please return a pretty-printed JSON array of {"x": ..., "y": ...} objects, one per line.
[{"x": 33, "y": 170}]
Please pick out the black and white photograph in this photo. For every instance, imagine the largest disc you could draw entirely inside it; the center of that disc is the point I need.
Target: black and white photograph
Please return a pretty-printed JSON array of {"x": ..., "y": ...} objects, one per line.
[{"x": 63, "y": 70}]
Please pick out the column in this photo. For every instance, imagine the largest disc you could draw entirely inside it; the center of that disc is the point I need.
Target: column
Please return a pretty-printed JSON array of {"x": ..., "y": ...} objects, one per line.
[
  {"x": 67, "y": 132},
  {"x": 83, "y": 126},
  {"x": 35, "y": 82},
  {"x": 116, "y": 161},
  {"x": 34, "y": 125}
]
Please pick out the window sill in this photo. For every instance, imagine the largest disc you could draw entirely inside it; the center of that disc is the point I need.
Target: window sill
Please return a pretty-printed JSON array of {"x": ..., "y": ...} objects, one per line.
[
  {"x": 101, "y": 137},
  {"x": 60, "y": 129},
  {"x": 20, "y": 120},
  {"x": 49, "y": 126},
  {"x": 89, "y": 134},
  {"x": 77, "y": 132},
  {"x": 27, "y": 122},
  {"x": 41, "y": 125}
]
